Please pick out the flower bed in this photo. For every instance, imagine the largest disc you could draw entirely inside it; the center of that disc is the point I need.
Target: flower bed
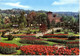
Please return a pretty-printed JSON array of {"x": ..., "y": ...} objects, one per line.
[
  {"x": 22, "y": 35},
  {"x": 55, "y": 34},
  {"x": 62, "y": 41},
  {"x": 8, "y": 45},
  {"x": 58, "y": 38},
  {"x": 48, "y": 50},
  {"x": 6, "y": 48},
  {"x": 77, "y": 42},
  {"x": 32, "y": 40},
  {"x": 59, "y": 35}
]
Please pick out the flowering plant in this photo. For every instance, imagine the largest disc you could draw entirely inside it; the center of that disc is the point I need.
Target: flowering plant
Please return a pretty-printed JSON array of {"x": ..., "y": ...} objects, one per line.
[
  {"x": 32, "y": 40},
  {"x": 48, "y": 50},
  {"x": 6, "y": 48}
]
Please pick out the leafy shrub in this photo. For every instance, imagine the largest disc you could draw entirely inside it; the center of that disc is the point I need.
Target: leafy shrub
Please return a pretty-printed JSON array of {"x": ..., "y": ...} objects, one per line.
[
  {"x": 58, "y": 41},
  {"x": 72, "y": 45},
  {"x": 55, "y": 36},
  {"x": 71, "y": 37},
  {"x": 66, "y": 31},
  {"x": 34, "y": 32},
  {"x": 6, "y": 50},
  {"x": 28, "y": 32},
  {"x": 58, "y": 30},
  {"x": 3, "y": 33},
  {"x": 10, "y": 37}
]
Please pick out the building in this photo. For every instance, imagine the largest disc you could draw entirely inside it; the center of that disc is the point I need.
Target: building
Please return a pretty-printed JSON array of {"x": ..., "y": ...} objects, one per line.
[{"x": 54, "y": 17}]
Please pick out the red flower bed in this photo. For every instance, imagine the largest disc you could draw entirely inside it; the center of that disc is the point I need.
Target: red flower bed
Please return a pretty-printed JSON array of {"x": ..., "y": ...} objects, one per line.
[
  {"x": 73, "y": 42},
  {"x": 8, "y": 45},
  {"x": 31, "y": 38},
  {"x": 58, "y": 38},
  {"x": 55, "y": 34},
  {"x": 48, "y": 50}
]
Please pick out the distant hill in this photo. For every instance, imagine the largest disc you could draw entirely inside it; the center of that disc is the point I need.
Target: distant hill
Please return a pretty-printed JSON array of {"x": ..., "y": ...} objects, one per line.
[{"x": 17, "y": 11}]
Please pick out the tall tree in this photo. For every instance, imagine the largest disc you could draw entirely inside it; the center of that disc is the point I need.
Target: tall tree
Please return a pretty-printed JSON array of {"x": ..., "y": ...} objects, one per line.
[{"x": 22, "y": 19}]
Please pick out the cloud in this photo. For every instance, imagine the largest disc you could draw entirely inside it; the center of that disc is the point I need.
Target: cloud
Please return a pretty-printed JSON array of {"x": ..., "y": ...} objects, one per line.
[
  {"x": 64, "y": 2},
  {"x": 17, "y": 5}
]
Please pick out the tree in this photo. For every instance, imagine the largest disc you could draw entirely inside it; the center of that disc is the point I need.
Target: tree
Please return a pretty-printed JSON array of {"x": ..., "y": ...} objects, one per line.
[
  {"x": 31, "y": 17},
  {"x": 0, "y": 21},
  {"x": 22, "y": 19},
  {"x": 43, "y": 28},
  {"x": 42, "y": 18},
  {"x": 68, "y": 21}
]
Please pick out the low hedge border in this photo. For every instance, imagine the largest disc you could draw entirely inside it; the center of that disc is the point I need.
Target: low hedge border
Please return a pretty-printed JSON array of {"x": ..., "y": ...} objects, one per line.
[
  {"x": 19, "y": 36},
  {"x": 60, "y": 36},
  {"x": 61, "y": 41}
]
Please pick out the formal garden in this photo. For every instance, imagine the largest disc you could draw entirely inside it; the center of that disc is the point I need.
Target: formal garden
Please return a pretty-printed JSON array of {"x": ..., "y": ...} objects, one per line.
[{"x": 51, "y": 39}]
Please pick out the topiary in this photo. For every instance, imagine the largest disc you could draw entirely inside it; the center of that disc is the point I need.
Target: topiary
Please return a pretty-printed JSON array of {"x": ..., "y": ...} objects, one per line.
[{"x": 3, "y": 33}]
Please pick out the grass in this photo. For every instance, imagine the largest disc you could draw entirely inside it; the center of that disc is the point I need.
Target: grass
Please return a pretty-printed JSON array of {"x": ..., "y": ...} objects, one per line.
[
  {"x": 18, "y": 52},
  {"x": 14, "y": 41},
  {"x": 70, "y": 33}
]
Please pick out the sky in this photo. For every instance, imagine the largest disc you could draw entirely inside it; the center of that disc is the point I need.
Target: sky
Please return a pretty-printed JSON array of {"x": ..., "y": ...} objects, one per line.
[{"x": 47, "y": 5}]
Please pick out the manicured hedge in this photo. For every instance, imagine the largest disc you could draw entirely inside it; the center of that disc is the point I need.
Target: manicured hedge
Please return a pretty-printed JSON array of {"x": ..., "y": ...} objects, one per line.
[
  {"x": 61, "y": 41},
  {"x": 62, "y": 36}
]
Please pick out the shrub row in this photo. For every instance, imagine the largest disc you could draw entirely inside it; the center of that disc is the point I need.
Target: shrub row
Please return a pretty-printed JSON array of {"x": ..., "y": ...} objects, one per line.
[
  {"x": 62, "y": 41},
  {"x": 61, "y": 36},
  {"x": 32, "y": 40}
]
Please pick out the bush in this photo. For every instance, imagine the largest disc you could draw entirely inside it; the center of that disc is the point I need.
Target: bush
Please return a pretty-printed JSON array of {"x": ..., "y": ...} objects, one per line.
[
  {"x": 28, "y": 32},
  {"x": 7, "y": 50},
  {"x": 71, "y": 37},
  {"x": 34, "y": 32},
  {"x": 58, "y": 30},
  {"x": 66, "y": 31},
  {"x": 10, "y": 37},
  {"x": 55, "y": 36},
  {"x": 58, "y": 41},
  {"x": 72, "y": 45},
  {"x": 3, "y": 33}
]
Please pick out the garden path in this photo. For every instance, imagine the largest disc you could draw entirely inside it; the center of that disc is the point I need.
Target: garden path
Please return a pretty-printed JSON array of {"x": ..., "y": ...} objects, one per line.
[{"x": 48, "y": 31}]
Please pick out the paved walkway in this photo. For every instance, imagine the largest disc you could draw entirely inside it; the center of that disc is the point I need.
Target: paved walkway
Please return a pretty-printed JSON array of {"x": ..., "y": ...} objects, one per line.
[{"x": 48, "y": 31}]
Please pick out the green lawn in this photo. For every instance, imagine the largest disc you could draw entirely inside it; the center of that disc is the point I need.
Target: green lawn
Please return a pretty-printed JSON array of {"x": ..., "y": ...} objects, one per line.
[{"x": 16, "y": 41}]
